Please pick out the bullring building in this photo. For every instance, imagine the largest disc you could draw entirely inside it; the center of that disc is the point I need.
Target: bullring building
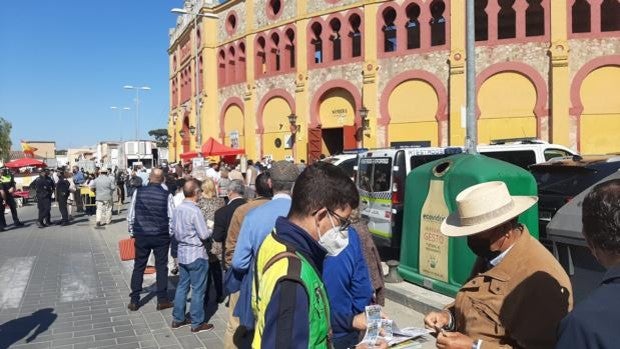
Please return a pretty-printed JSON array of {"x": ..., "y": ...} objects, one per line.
[{"x": 299, "y": 78}]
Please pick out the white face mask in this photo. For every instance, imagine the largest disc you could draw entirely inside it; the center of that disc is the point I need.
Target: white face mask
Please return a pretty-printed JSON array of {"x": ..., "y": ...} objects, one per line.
[{"x": 334, "y": 240}]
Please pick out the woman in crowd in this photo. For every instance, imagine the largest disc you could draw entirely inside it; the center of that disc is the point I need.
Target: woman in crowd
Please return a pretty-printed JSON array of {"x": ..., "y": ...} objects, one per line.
[{"x": 209, "y": 203}]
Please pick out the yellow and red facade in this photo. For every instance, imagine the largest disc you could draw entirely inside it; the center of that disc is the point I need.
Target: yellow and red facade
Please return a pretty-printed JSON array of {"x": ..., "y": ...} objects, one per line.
[{"x": 546, "y": 69}]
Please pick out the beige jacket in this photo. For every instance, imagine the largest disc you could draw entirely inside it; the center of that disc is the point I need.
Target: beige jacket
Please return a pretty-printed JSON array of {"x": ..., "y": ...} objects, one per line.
[
  {"x": 518, "y": 303},
  {"x": 235, "y": 227}
]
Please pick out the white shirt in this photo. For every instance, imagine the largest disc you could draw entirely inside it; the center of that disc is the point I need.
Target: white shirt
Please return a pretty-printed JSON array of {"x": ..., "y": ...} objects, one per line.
[{"x": 178, "y": 199}]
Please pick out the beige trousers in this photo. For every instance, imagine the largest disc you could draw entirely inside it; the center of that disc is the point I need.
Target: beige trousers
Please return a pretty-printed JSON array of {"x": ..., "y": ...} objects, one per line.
[
  {"x": 233, "y": 322},
  {"x": 104, "y": 212}
]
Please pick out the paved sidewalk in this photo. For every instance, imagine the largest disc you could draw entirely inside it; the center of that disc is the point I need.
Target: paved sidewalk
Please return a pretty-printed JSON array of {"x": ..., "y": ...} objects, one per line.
[{"x": 65, "y": 287}]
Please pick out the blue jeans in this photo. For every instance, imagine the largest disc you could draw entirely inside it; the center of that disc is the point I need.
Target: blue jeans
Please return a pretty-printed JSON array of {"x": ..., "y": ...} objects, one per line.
[{"x": 194, "y": 274}]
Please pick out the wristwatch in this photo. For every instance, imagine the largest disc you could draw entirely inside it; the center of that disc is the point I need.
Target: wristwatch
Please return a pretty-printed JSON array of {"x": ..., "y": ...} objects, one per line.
[{"x": 476, "y": 344}]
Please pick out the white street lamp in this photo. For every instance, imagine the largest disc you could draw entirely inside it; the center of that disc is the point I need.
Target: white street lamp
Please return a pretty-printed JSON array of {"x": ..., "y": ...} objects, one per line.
[
  {"x": 120, "y": 117},
  {"x": 195, "y": 13},
  {"x": 143, "y": 88}
]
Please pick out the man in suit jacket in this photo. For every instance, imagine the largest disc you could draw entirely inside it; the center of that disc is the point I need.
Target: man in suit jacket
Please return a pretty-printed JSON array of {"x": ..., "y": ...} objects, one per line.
[
  {"x": 594, "y": 322},
  {"x": 221, "y": 222}
]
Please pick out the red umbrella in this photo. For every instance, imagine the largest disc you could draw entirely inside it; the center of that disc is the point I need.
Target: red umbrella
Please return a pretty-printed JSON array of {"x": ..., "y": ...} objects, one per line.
[{"x": 25, "y": 162}]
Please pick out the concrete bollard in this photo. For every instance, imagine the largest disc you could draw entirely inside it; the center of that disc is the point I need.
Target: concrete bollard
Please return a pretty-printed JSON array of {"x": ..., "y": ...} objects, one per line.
[{"x": 393, "y": 277}]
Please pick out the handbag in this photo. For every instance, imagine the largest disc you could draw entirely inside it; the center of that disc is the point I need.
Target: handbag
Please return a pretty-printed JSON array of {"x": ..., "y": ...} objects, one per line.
[{"x": 127, "y": 249}]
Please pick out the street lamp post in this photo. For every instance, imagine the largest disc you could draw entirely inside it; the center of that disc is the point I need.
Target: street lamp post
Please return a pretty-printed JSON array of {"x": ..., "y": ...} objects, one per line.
[
  {"x": 195, "y": 13},
  {"x": 143, "y": 88},
  {"x": 120, "y": 118}
]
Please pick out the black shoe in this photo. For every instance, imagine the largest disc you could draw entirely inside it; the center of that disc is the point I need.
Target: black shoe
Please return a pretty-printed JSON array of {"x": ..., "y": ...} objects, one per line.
[
  {"x": 99, "y": 226},
  {"x": 40, "y": 225},
  {"x": 164, "y": 305},
  {"x": 183, "y": 323},
  {"x": 2, "y": 228},
  {"x": 133, "y": 306},
  {"x": 202, "y": 328},
  {"x": 19, "y": 224},
  {"x": 64, "y": 224}
]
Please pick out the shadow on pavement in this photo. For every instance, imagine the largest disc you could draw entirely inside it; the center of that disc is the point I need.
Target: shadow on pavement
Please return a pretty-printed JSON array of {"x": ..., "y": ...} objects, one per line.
[{"x": 13, "y": 331}]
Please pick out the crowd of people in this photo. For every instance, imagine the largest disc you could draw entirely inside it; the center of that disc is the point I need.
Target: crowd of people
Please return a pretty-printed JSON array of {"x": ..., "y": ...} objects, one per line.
[{"x": 284, "y": 247}]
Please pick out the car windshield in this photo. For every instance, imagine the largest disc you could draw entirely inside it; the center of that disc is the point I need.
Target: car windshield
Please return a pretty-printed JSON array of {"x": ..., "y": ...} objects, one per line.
[{"x": 564, "y": 180}]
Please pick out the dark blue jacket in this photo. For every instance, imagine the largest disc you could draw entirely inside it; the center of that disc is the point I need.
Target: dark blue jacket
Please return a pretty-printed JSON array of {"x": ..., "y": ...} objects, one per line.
[
  {"x": 594, "y": 322},
  {"x": 348, "y": 285},
  {"x": 151, "y": 211}
]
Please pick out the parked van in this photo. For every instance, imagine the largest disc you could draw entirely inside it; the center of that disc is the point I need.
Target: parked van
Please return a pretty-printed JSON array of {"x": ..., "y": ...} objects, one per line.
[
  {"x": 380, "y": 179},
  {"x": 381, "y": 175}
]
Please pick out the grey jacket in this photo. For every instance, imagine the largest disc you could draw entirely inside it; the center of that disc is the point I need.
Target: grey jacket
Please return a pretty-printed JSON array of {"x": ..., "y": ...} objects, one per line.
[{"x": 104, "y": 187}]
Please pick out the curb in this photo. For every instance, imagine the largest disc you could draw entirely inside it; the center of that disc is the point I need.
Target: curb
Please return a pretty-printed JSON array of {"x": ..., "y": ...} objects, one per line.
[{"x": 415, "y": 297}]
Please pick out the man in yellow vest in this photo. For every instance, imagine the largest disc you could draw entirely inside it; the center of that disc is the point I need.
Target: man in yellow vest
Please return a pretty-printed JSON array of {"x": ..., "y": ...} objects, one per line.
[{"x": 289, "y": 298}]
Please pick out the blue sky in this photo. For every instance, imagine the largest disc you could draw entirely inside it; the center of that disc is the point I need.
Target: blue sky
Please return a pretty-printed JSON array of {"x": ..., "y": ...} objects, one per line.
[{"x": 63, "y": 63}]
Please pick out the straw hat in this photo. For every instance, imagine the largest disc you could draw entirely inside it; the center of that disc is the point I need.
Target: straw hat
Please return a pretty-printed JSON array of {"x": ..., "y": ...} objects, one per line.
[{"x": 482, "y": 207}]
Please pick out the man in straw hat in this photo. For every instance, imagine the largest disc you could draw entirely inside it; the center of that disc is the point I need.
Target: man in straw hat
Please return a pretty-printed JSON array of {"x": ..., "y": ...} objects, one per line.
[{"x": 517, "y": 293}]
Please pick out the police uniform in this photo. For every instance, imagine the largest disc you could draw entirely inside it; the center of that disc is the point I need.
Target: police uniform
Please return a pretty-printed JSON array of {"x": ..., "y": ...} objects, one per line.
[
  {"x": 6, "y": 183},
  {"x": 44, "y": 186}
]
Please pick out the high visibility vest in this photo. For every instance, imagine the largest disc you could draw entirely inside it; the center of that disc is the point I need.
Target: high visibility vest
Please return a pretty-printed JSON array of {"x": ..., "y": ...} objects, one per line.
[
  {"x": 276, "y": 262},
  {"x": 5, "y": 179}
]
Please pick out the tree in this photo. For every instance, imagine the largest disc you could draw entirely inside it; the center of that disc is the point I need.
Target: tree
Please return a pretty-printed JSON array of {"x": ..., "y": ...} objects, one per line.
[
  {"x": 5, "y": 139},
  {"x": 161, "y": 137}
]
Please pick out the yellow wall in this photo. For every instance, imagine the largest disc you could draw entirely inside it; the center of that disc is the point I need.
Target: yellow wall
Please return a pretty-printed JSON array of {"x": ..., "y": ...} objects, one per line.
[
  {"x": 600, "y": 120},
  {"x": 413, "y": 108},
  {"x": 336, "y": 109},
  {"x": 276, "y": 125},
  {"x": 233, "y": 121},
  {"x": 506, "y": 102}
]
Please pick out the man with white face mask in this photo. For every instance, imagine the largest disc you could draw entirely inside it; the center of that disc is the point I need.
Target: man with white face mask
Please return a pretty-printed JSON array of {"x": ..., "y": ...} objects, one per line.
[{"x": 289, "y": 298}]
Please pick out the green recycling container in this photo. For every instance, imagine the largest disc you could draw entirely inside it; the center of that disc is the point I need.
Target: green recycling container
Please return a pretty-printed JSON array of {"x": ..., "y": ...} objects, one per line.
[{"x": 429, "y": 258}]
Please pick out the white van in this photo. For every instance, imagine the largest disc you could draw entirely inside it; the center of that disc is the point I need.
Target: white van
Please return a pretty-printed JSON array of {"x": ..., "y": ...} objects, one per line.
[{"x": 382, "y": 173}]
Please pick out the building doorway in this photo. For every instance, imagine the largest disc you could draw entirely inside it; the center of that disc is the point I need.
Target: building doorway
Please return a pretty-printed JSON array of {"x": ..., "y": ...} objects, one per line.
[{"x": 333, "y": 140}]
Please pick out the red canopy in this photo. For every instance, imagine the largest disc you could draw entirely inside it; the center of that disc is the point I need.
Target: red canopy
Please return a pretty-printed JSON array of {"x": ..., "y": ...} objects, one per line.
[
  {"x": 189, "y": 155},
  {"x": 213, "y": 148},
  {"x": 25, "y": 162}
]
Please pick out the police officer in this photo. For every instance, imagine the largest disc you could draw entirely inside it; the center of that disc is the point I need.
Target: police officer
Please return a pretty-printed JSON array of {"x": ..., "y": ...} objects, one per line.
[
  {"x": 44, "y": 186},
  {"x": 7, "y": 188}
]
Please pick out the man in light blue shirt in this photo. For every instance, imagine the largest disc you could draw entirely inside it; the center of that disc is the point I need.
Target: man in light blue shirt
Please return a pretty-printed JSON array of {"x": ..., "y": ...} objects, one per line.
[
  {"x": 257, "y": 224},
  {"x": 190, "y": 230}
]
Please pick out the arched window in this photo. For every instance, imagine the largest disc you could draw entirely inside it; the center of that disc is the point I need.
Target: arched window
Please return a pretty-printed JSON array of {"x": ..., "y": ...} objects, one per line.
[
  {"x": 356, "y": 35},
  {"x": 274, "y": 7},
  {"x": 290, "y": 47},
  {"x": 275, "y": 51},
  {"x": 438, "y": 23},
  {"x": 610, "y": 15},
  {"x": 241, "y": 59},
  {"x": 335, "y": 25},
  {"x": 506, "y": 20},
  {"x": 198, "y": 39},
  {"x": 534, "y": 18},
  {"x": 222, "y": 67},
  {"x": 389, "y": 30},
  {"x": 317, "y": 42},
  {"x": 232, "y": 68},
  {"x": 200, "y": 77},
  {"x": 174, "y": 62},
  {"x": 482, "y": 20},
  {"x": 231, "y": 23},
  {"x": 581, "y": 16},
  {"x": 413, "y": 26},
  {"x": 261, "y": 57}
]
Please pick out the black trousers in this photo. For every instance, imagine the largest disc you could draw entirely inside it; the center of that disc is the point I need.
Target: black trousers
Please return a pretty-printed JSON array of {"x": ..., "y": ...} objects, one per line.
[
  {"x": 44, "y": 204},
  {"x": 10, "y": 201},
  {"x": 216, "y": 279},
  {"x": 121, "y": 186},
  {"x": 62, "y": 206},
  {"x": 144, "y": 245}
]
